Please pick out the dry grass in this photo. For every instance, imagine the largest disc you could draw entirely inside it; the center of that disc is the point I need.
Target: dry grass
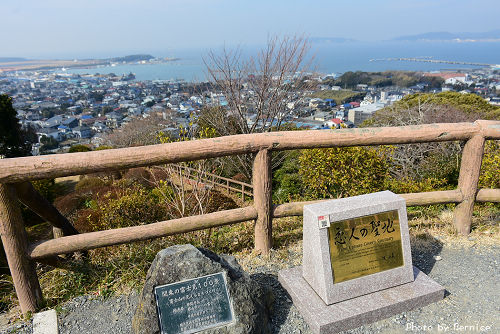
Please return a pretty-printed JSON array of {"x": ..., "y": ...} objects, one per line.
[{"x": 427, "y": 224}]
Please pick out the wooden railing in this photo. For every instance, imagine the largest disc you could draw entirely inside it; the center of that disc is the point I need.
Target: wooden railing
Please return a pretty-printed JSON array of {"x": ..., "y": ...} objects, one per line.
[
  {"x": 15, "y": 175},
  {"x": 222, "y": 183}
]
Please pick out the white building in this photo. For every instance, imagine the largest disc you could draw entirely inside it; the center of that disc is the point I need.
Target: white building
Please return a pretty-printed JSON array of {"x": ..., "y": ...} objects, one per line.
[{"x": 360, "y": 114}]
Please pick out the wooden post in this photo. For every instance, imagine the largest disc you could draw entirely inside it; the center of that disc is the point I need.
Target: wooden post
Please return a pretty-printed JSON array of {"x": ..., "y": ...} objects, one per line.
[
  {"x": 243, "y": 193},
  {"x": 470, "y": 168},
  {"x": 227, "y": 186},
  {"x": 57, "y": 232},
  {"x": 15, "y": 243},
  {"x": 42, "y": 207},
  {"x": 262, "y": 184}
]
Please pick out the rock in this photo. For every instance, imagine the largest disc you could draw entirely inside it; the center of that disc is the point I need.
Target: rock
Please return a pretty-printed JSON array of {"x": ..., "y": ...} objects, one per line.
[
  {"x": 251, "y": 302},
  {"x": 437, "y": 258}
]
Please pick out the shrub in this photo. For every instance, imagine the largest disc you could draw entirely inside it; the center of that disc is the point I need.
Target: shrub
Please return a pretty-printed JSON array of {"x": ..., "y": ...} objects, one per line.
[
  {"x": 134, "y": 206},
  {"x": 140, "y": 175},
  {"x": 404, "y": 186},
  {"x": 342, "y": 172},
  {"x": 490, "y": 167},
  {"x": 90, "y": 182},
  {"x": 103, "y": 147},
  {"x": 219, "y": 202},
  {"x": 47, "y": 188},
  {"x": 79, "y": 148},
  {"x": 287, "y": 182}
]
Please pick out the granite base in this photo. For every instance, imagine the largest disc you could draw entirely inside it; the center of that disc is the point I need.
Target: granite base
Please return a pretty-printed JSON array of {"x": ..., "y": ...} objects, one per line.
[{"x": 355, "y": 312}]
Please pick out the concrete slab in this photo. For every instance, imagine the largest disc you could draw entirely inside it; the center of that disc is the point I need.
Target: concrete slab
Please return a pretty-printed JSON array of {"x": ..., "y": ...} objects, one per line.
[
  {"x": 355, "y": 312},
  {"x": 45, "y": 322}
]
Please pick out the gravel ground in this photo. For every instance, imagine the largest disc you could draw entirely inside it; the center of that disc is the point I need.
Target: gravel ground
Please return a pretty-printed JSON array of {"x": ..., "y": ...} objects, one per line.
[{"x": 470, "y": 273}]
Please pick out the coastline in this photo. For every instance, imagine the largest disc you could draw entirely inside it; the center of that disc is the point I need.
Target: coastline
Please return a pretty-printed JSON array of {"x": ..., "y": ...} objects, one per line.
[{"x": 54, "y": 64}]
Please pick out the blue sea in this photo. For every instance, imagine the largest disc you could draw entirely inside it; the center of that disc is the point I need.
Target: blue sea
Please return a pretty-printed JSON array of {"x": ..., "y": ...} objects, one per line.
[{"x": 328, "y": 58}]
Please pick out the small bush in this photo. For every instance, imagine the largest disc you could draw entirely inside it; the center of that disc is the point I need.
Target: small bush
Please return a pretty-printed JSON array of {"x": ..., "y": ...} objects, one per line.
[
  {"x": 140, "y": 175},
  {"x": 287, "y": 182},
  {"x": 341, "y": 172},
  {"x": 90, "y": 182},
  {"x": 405, "y": 186},
  {"x": 47, "y": 188},
  {"x": 68, "y": 204},
  {"x": 135, "y": 206},
  {"x": 490, "y": 167},
  {"x": 79, "y": 148},
  {"x": 219, "y": 202},
  {"x": 103, "y": 147}
]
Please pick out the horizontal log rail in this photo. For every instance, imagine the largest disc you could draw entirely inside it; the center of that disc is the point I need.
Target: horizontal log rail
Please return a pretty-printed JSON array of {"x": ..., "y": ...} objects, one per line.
[
  {"x": 14, "y": 174},
  {"x": 125, "y": 235},
  {"x": 92, "y": 240},
  {"x": 488, "y": 195},
  {"x": 58, "y": 165},
  {"x": 412, "y": 199}
]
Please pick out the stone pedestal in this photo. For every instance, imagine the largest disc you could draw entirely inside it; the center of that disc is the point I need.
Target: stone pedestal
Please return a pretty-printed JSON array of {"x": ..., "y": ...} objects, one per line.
[
  {"x": 356, "y": 265},
  {"x": 355, "y": 312}
]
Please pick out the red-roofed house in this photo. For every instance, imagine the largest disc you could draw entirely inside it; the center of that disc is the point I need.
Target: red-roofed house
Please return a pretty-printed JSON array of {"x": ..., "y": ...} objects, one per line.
[{"x": 334, "y": 123}]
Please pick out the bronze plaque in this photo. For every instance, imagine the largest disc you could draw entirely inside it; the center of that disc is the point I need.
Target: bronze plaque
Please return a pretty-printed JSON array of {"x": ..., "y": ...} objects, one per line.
[{"x": 365, "y": 245}]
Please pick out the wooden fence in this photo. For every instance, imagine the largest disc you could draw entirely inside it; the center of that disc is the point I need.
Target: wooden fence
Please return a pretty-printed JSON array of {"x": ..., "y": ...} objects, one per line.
[
  {"x": 15, "y": 175},
  {"x": 214, "y": 180}
]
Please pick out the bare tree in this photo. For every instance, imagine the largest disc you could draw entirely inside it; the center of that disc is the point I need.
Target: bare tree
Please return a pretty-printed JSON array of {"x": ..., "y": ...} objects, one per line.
[
  {"x": 414, "y": 160},
  {"x": 184, "y": 191},
  {"x": 140, "y": 131},
  {"x": 257, "y": 88}
]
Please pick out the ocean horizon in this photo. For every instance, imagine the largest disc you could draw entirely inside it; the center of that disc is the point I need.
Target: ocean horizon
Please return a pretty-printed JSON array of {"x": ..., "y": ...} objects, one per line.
[{"x": 328, "y": 58}]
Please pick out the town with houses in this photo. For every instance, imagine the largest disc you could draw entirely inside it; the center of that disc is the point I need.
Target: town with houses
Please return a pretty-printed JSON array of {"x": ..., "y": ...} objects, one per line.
[{"x": 69, "y": 109}]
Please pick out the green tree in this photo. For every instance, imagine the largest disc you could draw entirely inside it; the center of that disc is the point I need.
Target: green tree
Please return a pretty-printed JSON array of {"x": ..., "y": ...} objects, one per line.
[
  {"x": 14, "y": 141},
  {"x": 48, "y": 143}
]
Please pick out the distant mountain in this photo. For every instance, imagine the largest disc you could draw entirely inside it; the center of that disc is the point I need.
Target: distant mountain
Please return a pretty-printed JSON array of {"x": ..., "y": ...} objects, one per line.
[
  {"x": 11, "y": 59},
  {"x": 448, "y": 36},
  {"x": 331, "y": 40}
]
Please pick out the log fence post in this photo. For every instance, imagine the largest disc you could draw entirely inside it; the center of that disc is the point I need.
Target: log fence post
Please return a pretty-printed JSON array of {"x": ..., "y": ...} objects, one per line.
[
  {"x": 28, "y": 195},
  {"x": 15, "y": 243},
  {"x": 262, "y": 186},
  {"x": 468, "y": 179}
]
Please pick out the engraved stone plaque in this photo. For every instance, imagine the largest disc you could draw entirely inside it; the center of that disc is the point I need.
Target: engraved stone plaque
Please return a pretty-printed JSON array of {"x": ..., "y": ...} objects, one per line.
[
  {"x": 365, "y": 245},
  {"x": 193, "y": 305},
  {"x": 356, "y": 264}
]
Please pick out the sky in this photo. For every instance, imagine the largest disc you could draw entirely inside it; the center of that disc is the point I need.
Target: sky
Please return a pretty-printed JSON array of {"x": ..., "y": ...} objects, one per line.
[{"x": 106, "y": 28}]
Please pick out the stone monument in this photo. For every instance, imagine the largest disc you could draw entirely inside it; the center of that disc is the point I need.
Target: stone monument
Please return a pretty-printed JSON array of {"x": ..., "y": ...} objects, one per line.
[
  {"x": 356, "y": 265},
  {"x": 191, "y": 290}
]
